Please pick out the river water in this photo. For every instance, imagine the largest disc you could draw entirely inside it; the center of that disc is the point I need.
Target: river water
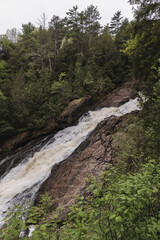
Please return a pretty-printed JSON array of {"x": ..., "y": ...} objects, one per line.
[{"x": 22, "y": 182}]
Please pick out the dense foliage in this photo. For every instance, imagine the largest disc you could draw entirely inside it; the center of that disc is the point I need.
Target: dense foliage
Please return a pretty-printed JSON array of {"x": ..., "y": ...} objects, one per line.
[{"x": 44, "y": 68}]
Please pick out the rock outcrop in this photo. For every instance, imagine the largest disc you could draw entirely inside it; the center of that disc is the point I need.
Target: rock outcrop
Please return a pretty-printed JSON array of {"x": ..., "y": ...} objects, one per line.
[
  {"x": 74, "y": 110},
  {"x": 68, "y": 117},
  {"x": 92, "y": 157},
  {"x": 118, "y": 96}
]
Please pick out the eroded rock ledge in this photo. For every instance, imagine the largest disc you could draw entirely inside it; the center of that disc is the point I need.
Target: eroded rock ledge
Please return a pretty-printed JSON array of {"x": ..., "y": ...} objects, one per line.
[{"x": 92, "y": 157}]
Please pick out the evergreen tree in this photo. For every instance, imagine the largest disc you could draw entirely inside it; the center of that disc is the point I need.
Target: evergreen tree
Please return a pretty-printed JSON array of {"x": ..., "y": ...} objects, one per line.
[
  {"x": 92, "y": 24},
  {"x": 146, "y": 9},
  {"x": 116, "y": 22}
]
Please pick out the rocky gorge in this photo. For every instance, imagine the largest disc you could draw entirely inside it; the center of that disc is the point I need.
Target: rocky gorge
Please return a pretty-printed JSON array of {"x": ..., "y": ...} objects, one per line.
[{"x": 95, "y": 154}]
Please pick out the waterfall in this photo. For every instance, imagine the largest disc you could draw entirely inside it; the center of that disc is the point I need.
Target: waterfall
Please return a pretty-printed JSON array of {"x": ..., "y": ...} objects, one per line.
[{"x": 23, "y": 181}]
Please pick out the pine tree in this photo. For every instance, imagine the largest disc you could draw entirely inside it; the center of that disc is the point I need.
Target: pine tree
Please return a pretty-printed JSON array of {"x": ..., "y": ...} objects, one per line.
[{"x": 116, "y": 23}]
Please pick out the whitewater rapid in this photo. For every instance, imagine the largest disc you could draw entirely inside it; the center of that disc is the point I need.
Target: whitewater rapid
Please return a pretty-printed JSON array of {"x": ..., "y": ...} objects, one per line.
[{"x": 23, "y": 181}]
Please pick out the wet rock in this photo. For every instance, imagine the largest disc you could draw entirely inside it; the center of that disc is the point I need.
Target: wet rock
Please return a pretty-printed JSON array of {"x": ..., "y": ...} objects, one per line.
[
  {"x": 68, "y": 178},
  {"x": 21, "y": 139}
]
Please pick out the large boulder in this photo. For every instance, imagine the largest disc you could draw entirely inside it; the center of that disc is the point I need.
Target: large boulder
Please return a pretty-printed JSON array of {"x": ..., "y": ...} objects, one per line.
[
  {"x": 118, "y": 96},
  {"x": 74, "y": 110}
]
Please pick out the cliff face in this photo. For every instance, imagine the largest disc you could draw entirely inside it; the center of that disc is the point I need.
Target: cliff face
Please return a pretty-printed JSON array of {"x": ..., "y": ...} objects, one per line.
[
  {"x": 92, "y": 157},
  {"x": 67, "y": 178}
]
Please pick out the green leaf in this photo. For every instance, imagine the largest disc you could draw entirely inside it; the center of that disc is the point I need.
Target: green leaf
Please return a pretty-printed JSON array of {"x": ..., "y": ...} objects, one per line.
[{"x": 112, "y": 216}]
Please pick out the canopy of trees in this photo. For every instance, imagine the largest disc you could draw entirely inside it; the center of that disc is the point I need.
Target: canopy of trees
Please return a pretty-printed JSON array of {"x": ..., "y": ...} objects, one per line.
[{"x": 43, "y": 68}]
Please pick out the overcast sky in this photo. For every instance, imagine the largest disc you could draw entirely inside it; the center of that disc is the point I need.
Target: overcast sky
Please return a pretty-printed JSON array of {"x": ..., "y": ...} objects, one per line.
[{"x": 14, "y": 13}]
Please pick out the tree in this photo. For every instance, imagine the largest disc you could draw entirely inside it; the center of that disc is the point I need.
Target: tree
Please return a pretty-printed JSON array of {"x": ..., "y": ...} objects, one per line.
[
  {"x": 12, "y": 35},
  {"x": 151, "y": 115},
  {"x": 5, "y": 47},
  {"x": 122, "y": 35},
  {"x": 116, "y": 22},
  {"x": 146, "y": 9},
  {"x": 73, "y": 19},
  {"x": 57, "y": 31},
  {"x": 3, "y": 72},
  {"x": 73, "y": 27},
  {"x": 42, "y": 21},
  {"x": 92, "y": 24},
  {"x": 143, "y": 45}
]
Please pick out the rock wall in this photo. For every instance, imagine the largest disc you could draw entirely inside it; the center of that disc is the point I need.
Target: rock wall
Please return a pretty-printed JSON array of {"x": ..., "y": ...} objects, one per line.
[{"x": 92, "y": 157}]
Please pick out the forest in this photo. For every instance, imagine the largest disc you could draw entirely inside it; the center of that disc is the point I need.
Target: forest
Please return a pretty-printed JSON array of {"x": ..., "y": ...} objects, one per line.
[{"x": 43, "y": 68}]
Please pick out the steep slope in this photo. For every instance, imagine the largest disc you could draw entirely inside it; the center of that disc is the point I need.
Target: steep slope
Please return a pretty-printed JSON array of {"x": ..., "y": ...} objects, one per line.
[{"x": 92, "y": 157}]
